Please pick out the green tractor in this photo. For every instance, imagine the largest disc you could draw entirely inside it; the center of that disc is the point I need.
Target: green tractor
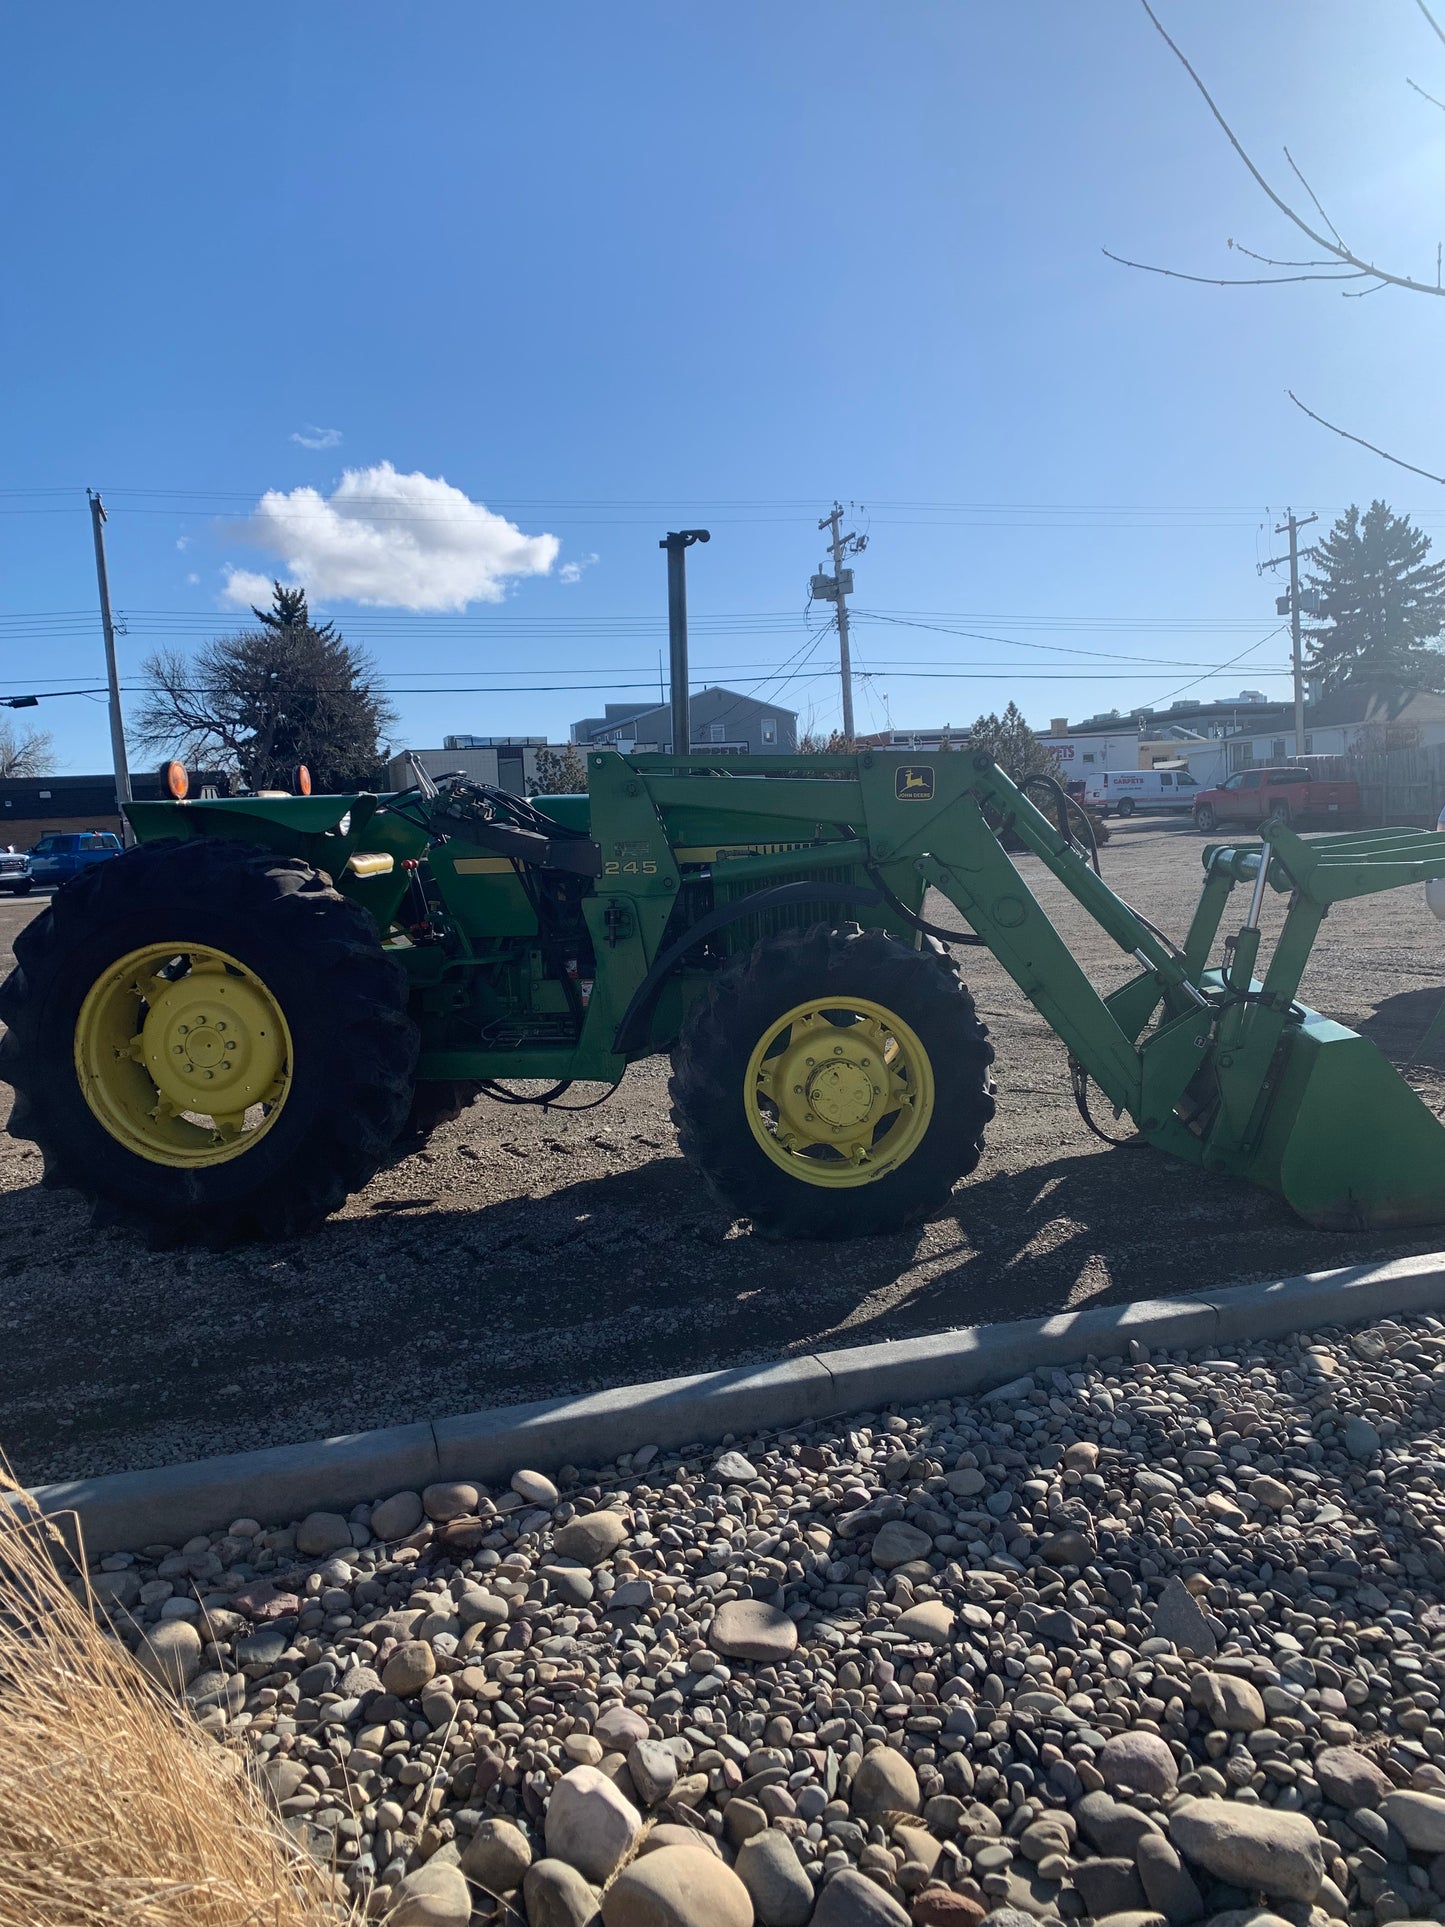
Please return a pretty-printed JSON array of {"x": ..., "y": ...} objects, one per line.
[{"x": 228, "y": 1029}]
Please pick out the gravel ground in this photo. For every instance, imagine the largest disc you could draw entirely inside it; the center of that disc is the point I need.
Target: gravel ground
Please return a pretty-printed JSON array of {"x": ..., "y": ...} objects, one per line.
[
  {"x": 524, "y": 1254},
  {"x": 1152, "y": 1642}
]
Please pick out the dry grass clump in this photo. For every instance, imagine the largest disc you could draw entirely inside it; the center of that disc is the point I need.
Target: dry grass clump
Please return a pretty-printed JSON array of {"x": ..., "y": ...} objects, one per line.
[{"x": 115, "y": 1810}]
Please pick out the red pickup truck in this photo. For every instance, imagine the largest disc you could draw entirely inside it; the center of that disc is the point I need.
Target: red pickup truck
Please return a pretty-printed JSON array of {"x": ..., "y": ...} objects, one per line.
[{"x": 1290, "y": 795}]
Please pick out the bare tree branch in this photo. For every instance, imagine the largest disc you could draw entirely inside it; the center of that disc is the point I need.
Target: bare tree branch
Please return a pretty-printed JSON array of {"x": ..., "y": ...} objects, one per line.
[
  {"x": 1237, "y": 281},
  {"x": 1335, "y": 248},
  {"x": 1423, "y": 95},
  {"x": 1434, "y": 23},
  {"x": 1314, "y": 197},
  {"x": 1270, "y": 262},
  {"x": 1384, "y": 453}
]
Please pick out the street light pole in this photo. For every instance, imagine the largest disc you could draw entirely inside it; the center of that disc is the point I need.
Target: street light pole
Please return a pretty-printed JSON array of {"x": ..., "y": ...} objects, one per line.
[
  {"x": 677, "y": 543},
  {"x": 112, "y": 677}
]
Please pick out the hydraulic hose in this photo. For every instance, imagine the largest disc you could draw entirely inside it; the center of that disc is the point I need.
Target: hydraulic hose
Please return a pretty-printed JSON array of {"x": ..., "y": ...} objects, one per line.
[
  {"x": 900, "y": 909},
  {"x": 1065, "y": 803}
]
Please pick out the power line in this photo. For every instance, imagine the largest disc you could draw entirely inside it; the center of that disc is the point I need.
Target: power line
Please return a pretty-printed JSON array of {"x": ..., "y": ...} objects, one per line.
[
  {"x": 1278, "y": 630},
  {"x": 649, "y": 684}
]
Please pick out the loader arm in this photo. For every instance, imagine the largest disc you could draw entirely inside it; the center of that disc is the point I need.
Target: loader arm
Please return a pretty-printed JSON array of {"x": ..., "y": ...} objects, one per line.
[{"x": 1236, "y": 1074}]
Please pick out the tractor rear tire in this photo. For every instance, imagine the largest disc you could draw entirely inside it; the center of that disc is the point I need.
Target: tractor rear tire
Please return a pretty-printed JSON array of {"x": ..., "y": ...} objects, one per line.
[
  {"x": 291, "y": 958},
  {"x": 813, "y": 1191}
]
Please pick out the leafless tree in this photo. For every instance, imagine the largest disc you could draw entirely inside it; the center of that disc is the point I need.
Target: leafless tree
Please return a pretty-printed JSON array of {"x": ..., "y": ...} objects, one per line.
[
  {"x": 1337, "y": 260},
  {"x": 30, "y": 754}
]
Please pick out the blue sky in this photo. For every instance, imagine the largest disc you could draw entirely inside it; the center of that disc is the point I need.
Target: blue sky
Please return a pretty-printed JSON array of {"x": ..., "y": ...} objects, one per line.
[{"x": 607, "y": 270}]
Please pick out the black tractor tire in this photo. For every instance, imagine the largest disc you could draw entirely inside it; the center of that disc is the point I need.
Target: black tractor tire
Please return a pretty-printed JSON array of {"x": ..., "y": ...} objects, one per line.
[
  {"x": 434, "y": 1104},
  {"x": 320, "y": 955},
  {"x": 1204, "y": 818},
  {"x": 747, "y": 997},
  {"x": 1125, "y": 806}
]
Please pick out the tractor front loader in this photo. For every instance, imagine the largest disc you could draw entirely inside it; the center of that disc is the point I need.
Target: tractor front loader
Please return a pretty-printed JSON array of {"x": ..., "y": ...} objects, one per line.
[{"x": 225, "y": 1031}]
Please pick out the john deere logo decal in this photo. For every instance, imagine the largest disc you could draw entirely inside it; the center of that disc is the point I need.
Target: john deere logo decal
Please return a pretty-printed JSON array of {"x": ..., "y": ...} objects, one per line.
[{"x": 913, "y": 783}]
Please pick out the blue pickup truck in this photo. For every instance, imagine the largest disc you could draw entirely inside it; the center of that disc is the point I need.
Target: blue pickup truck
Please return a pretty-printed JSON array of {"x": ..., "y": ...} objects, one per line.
[{"x": 63, "y": 854}]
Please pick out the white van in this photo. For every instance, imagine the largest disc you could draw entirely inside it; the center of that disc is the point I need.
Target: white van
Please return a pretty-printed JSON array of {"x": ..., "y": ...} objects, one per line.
[{"x": 1123, "y": 791}]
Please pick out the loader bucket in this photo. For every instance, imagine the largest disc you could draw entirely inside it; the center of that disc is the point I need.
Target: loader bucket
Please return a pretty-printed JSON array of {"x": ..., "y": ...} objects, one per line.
[{"x": 1346, "y": 1142}]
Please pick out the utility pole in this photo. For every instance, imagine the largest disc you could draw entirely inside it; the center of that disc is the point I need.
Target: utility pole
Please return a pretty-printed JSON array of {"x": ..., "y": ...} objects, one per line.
[
  {"x": 107, "y": 623},
  {"x": 1292, "y": 525},
  {"x": 677, "y": 543},
  {"x": 837, "y": 587}
]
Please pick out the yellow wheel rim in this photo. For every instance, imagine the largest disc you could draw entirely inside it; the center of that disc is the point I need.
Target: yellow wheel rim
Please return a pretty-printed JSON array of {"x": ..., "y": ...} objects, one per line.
[
  {"x": 183, "y": 1054},
  {"x": 839, "y": 1092}
]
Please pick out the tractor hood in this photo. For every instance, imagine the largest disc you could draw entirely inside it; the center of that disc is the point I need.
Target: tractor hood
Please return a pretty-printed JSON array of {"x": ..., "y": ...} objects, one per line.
[{"x": 324, "y": 830}]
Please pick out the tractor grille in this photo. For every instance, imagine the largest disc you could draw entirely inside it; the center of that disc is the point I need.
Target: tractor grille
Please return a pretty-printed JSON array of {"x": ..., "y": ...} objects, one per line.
[{"x": 771, "y": 923}]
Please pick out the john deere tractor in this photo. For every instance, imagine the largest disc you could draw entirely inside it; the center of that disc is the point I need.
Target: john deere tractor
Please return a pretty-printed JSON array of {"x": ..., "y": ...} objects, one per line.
[{"x": 226, "y": 1030}]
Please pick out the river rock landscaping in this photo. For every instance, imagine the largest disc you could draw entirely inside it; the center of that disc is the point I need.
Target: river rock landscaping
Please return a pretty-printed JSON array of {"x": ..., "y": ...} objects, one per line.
[{"x": 1151, "y": 1642}]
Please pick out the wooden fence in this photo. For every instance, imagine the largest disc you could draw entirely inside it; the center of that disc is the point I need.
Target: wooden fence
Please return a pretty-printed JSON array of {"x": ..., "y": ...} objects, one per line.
[{"x": 1401, "y": 784}]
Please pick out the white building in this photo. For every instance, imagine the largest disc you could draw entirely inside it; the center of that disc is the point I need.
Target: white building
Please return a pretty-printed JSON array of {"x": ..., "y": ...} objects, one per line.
[
  {"x": 1214, "y": 739},
  {"x": 505, "y": 762}
]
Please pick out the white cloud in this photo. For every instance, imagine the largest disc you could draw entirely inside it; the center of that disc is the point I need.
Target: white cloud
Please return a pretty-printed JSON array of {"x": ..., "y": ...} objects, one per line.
[
  {"x": 313, "y": 437},
  {"x": 399, "y": 541},
  {"x": 572, "y": 571},
  {"x": 245, "y": 588},
  {"x": 193, "y": 579},
  {"x": 183, "y": 542}
]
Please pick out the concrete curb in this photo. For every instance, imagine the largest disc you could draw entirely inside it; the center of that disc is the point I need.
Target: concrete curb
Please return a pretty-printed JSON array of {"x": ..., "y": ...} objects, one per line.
[{"x": 126, "y": 1510}]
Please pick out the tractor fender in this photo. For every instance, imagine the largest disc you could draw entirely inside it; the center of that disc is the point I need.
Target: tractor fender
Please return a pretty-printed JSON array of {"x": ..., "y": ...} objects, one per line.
[{"x": 628, "y": 1037}]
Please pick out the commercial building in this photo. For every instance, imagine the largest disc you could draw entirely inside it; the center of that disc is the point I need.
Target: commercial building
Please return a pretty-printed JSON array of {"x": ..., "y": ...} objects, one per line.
[
  {"x": 947, "y": 736},
  {"x": 505, "y": 762},
  {"x": 33, "y": 806},
  {"x": 1213, "y": 740}
]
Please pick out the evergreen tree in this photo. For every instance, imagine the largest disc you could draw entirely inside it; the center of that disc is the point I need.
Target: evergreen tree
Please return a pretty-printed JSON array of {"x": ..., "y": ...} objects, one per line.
[
  {"x": 561, "y": 771},
  {"x": 1012, "y": 745},
  {"x": 1382, "y": 604},
  {"x": 290, "y": 691}
]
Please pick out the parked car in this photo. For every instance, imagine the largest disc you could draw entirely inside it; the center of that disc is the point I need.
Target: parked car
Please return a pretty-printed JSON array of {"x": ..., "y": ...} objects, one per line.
[
  {"x": 1123, "y": 791},
  {"x": 15, "y": 873},
  {"x": 65, "y": 853},
  {"x": 1289, "y": 794}
]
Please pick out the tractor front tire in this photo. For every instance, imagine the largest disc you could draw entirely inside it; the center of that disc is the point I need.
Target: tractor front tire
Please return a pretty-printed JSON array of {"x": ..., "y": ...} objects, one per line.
[
  {"x": 249, "y": 973},
  {"x": 833, "y": 1084}
]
